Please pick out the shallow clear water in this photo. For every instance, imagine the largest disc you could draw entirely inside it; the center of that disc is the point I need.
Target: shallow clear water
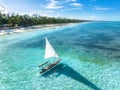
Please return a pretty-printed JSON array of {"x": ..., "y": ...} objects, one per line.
[{"x": 90, "y": 55}]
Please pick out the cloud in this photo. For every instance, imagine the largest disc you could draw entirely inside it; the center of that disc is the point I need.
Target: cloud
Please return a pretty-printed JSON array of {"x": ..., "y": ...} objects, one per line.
[
  {"x": 71, "y": 0},
  {"x": 50, "y": 11},
  {"x": 71, "y": 9},
  {"x": 43, "y": 13},
  {"x": 58, "y": 15},
  {"x": 58, "y": 4},
  {"x": 76, "y": 4},
  {"x": 92, "y": 17},
  {"x": 48, "y": 15},
  {"x": 53, "y": 4},
  {"x": 101, "y": 8},
  {"x": 2, "y": 8}
]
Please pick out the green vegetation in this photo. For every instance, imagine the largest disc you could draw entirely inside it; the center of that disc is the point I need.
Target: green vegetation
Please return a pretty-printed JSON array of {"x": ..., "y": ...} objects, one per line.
[{"x": 14, "y": 20}]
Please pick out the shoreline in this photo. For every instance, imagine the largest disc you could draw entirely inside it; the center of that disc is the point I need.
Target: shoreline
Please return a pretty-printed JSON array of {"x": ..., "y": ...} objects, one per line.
[{"x": 9, "y": 31}]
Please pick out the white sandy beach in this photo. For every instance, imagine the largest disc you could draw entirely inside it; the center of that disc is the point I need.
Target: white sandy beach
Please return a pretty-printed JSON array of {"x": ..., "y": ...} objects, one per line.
[{"x": 32, "y": 28}]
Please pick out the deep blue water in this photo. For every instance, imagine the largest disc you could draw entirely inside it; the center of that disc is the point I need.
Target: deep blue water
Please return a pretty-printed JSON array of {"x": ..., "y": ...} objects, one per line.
[{"x": 90, "y": 55}]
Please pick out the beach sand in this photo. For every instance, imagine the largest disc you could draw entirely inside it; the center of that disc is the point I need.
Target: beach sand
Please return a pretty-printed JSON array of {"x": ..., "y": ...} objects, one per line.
[{"x": 32, "y": 28}]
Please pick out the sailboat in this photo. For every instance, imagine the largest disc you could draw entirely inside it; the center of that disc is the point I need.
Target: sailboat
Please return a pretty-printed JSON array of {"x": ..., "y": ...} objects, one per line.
[{"x": 49, "y": 53}]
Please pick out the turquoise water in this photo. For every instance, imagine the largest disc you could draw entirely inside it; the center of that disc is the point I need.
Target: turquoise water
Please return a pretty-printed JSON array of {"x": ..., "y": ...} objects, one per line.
[{"x": 90, "y": 55}]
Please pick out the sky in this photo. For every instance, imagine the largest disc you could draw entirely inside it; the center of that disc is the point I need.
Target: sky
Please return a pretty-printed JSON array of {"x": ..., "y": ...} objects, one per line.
[{"x": 74, "y": 9}]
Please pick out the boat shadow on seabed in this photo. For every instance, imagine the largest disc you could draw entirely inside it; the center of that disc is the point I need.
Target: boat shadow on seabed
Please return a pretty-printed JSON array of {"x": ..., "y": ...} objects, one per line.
[{"x": 68, "y": 71}]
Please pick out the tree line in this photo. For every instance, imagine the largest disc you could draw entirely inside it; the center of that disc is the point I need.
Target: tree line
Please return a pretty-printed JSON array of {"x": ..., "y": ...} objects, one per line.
[{"x": 13, "y": 20}]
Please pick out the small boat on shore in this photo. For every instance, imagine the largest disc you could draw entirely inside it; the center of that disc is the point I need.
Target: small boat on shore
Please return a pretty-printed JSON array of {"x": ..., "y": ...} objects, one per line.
[{"x": 49, "y": 53}]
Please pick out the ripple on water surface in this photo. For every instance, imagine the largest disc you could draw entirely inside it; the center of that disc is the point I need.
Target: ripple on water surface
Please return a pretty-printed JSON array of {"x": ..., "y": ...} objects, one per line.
[{"x": 90, "y": 55}]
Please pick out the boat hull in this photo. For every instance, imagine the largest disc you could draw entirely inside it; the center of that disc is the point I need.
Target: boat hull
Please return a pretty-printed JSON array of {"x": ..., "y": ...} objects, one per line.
[{"x": 49, "y": 67}]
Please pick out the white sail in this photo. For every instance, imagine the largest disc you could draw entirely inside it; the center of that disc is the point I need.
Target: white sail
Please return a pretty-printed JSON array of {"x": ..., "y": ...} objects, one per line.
[{"x": 49, "y": 51}]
